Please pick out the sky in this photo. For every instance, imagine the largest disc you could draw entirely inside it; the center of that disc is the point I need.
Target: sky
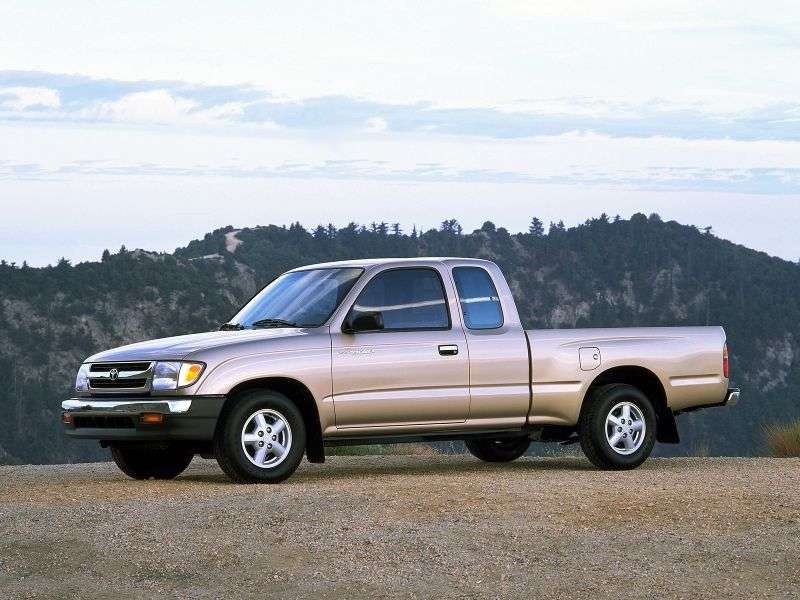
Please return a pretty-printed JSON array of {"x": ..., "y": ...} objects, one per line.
[{"x": 149, "y": 123}]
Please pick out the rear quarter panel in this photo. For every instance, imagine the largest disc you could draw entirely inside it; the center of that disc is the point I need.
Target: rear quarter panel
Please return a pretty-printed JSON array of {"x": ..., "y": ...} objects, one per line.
[{"x": 687, "y": 361}]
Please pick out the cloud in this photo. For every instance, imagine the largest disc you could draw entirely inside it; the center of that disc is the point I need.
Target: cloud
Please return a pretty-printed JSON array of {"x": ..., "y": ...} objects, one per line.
[
  {"x": 376, "y": 125},
  {"x": 25, "y": 98},
  {"x": 157, "y": 106},
  {"x": 767, "y": 181},
  {"x": 48, "y": 97}
]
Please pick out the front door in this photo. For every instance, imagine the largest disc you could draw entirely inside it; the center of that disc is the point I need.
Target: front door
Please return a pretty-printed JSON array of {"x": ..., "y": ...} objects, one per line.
[{"x": 413, "y": 371}]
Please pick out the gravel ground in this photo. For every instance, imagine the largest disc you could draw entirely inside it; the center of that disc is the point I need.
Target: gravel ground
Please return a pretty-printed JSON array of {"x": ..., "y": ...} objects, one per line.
[{"x": 407, "y": 526}]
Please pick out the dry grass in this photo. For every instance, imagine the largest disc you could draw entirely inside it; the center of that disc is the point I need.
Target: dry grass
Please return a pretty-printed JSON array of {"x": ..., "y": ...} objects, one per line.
[
  {"x": 701, "y": 449},
  {"x": 784, "y": 440}
]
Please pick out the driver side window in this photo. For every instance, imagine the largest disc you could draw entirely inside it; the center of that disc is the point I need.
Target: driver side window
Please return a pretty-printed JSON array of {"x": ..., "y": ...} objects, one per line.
[{"x": 407, "y": 299}]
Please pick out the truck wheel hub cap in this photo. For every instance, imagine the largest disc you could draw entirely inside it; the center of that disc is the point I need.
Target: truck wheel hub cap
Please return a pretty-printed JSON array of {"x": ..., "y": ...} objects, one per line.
[
  {"x": 625, "y": 428},
  {"x": 266, "y": 455}
]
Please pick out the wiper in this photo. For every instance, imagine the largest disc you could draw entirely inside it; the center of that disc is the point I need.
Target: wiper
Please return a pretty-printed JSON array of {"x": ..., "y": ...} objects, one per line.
[
  {"x": 273, "y": 323},
  {"x": 231, "y": 327}
]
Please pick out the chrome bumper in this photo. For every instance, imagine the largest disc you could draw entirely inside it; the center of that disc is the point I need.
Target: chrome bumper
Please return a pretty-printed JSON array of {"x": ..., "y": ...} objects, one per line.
[
  {"x": 128, "y": 406},
  {"x": 128, "y": 417},
  {"x": 732, "y": 398}
]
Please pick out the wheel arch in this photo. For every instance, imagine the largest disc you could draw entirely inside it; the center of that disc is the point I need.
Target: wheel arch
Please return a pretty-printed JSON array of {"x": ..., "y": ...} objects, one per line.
[
  {"x": 650, "y": 385},
  {"x": 298, "y": 393}
]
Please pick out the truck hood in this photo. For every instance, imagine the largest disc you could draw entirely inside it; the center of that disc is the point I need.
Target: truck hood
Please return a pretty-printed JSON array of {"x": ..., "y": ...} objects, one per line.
[{"x": 181, "y": 346}]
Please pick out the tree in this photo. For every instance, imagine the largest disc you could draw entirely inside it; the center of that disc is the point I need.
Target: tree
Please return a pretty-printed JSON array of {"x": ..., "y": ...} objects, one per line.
[
  {"x": 451, "y": 226},
  {"x": 536, "y": 228},
  {"x": 106, "y": 255},
  {"x": 297, "y": 229},
  {"x": 488, "y": 227}
]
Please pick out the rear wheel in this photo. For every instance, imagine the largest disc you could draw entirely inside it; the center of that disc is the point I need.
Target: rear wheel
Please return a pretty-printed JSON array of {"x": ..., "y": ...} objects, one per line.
[
  {"x": 498, "y": 450},
  {"x": 618, "y": 427},
  {"x": 151, "y": 460},
  {"x": 262, "y": 438}
]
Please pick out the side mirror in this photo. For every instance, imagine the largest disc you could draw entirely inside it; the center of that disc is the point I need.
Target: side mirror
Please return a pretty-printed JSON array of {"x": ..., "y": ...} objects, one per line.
[{"x": 365, "y": 321}]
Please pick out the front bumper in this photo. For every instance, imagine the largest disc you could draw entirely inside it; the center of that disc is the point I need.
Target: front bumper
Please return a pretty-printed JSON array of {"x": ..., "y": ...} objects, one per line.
[{"x": 120, "y": 418}]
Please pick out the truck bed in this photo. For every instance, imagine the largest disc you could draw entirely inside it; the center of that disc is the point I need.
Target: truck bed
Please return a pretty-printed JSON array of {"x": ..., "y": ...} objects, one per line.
[{"x": 565, "y": 362}]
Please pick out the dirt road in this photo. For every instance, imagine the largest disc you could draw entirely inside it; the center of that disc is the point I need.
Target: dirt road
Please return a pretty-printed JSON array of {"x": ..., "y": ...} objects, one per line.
[{"x": 407, "y": 526}]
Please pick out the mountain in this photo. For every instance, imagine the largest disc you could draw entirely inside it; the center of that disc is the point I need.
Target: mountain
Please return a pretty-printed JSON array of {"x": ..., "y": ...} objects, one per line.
[{"x": 605, "y": 273}]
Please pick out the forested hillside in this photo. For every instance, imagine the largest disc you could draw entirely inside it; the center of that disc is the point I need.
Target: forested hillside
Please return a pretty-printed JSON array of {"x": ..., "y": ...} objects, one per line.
[{"x": 606, "y": 273}]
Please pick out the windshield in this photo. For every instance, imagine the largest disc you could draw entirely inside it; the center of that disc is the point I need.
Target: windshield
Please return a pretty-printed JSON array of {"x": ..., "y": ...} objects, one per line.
[{"x": 298, "y": 299}]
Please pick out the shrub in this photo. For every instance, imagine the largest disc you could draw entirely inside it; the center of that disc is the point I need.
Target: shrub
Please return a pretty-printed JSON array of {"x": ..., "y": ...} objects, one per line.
[{"x": 784, "y": 440}]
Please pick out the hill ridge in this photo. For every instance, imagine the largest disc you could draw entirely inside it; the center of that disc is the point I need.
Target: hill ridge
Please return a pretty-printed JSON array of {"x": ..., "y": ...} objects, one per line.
[{"x": 606, "y": 272}]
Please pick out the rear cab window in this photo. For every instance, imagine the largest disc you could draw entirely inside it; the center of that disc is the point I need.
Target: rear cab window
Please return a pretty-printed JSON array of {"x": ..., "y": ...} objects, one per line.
[{"x": 480, "y": 302}]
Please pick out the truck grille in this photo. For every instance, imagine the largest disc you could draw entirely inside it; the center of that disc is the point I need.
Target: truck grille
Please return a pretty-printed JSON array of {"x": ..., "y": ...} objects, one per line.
[{"x": 122, "y": 376}]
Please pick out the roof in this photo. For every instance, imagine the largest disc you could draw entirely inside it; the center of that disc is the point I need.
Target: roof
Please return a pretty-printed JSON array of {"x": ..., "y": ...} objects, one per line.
[{"x": 368, "y": 262}]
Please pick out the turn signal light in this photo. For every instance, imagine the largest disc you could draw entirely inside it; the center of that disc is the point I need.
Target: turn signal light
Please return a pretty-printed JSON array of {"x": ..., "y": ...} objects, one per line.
[
  {"x": 66, "y": 418},
  {"x": 152, "y": 418}
]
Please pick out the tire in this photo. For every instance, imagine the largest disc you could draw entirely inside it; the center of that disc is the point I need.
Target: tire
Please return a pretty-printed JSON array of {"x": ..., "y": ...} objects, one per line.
[
  {"x": 498, "y": 450},
  {"x": 598, "y": 432},
  {"x": 248, "y": 450},
  {"x": 151, "y": 460}
]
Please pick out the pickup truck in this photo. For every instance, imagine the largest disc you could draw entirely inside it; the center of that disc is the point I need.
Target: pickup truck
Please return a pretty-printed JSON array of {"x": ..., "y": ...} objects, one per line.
[{"x": 387, "y": 351}]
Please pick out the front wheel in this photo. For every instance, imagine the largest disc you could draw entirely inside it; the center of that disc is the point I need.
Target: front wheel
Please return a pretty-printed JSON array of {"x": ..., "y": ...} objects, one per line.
[
  {"x": 151, "y": 460},
  {"x": 618, "y": 428},
  {"x": 262, "y": 438},
  {"x": 498, "y": 450}
]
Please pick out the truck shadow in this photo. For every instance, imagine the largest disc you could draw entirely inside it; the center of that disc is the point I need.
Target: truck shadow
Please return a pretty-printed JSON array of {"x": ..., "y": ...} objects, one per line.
[
  {"x": 436, "y": 467},
  {"x": 379, "y": 466}
]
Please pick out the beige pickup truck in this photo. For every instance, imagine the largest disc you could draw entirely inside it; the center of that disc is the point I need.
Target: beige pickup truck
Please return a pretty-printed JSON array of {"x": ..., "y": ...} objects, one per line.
[{"x": 392, "y": 350}]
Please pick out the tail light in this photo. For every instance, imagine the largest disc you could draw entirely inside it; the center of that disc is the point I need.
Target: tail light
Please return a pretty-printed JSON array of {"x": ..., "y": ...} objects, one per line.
[{"x": 725, "y": 365}]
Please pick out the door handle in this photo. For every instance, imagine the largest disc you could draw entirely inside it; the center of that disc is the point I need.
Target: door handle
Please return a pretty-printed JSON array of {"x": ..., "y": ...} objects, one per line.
[{"x": 448, "y": 350}]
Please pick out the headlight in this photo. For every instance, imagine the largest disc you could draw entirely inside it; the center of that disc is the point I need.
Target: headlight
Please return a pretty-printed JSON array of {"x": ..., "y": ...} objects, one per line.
[
  {"x": 82, "y": 380},
  {"x": 173, "y": 375}
]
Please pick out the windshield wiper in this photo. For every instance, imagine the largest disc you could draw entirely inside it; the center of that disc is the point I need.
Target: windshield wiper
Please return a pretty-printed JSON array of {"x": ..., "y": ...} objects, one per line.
[
  {"x": 231, "y": 327},
  {"x": 273, "y": 323}
]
